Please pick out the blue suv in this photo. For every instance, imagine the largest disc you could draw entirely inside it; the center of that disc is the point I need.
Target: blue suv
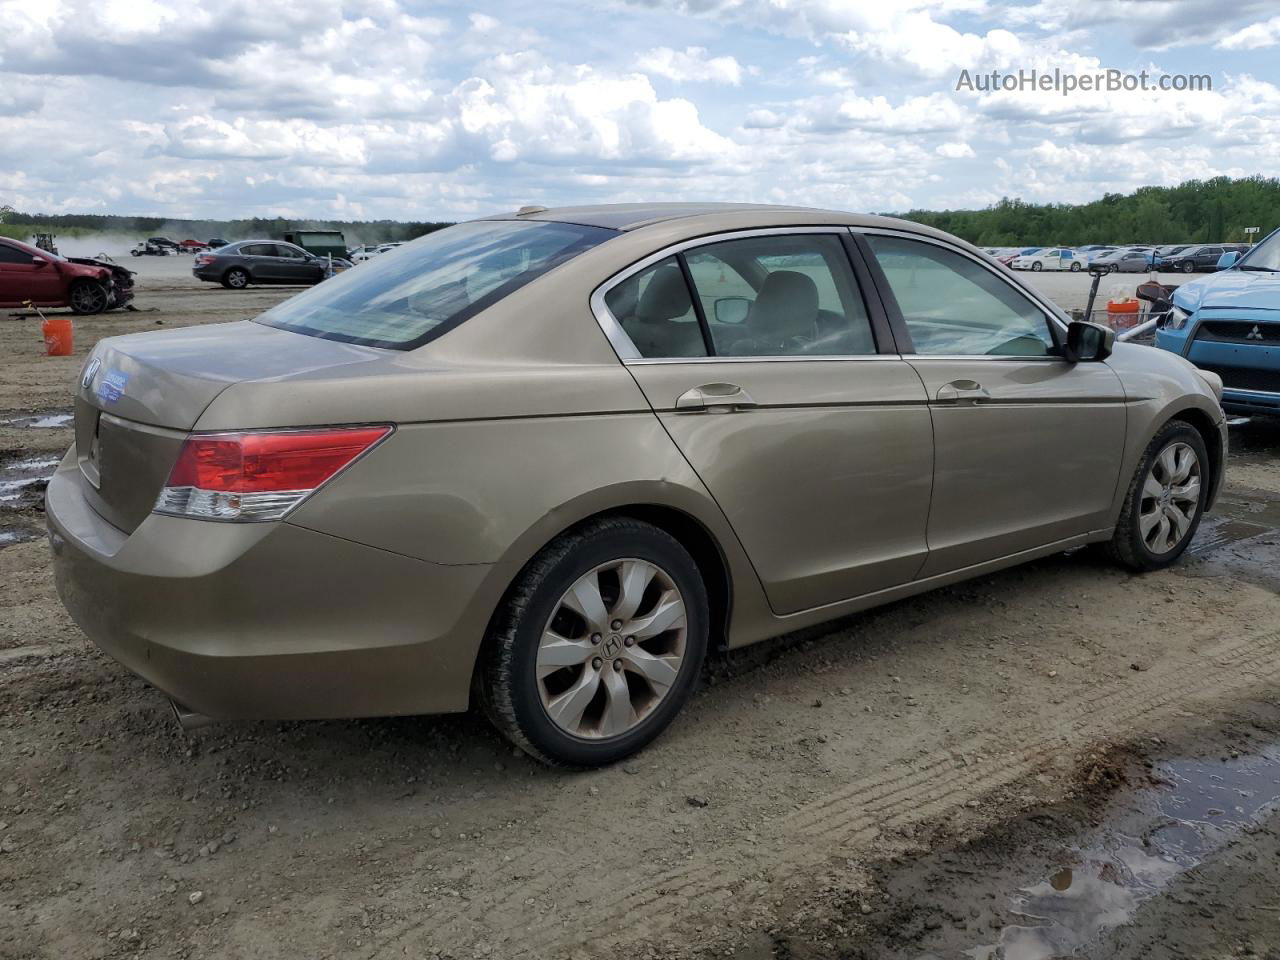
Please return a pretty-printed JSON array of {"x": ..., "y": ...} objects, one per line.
[{"x": 1229, "y": 323}]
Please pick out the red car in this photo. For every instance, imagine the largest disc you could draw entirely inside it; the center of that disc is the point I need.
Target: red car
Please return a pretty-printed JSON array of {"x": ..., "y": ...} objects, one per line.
[{"x": 50, "y": 280}]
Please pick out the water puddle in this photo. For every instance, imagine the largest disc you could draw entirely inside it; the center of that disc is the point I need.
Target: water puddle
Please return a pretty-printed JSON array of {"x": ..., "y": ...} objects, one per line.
[
  {"x": 1198, "y": 807},
  {"x": 22, "y": 482},
  {"x": 12, "y": 535},
  {"x": 40, "y": 421}
]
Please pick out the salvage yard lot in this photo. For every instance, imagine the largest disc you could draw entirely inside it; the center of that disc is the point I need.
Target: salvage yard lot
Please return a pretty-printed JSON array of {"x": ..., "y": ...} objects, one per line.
[{"x": 777, "y": 818}]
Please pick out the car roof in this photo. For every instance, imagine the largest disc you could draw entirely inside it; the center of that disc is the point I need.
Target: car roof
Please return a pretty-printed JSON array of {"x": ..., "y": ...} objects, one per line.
[
  {"x": 633, "y": 216},
  {"x": 24, "y": 247}
]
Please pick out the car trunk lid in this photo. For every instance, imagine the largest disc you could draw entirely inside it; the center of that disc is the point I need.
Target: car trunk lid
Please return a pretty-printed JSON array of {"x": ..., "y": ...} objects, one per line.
[{"x": 140, "y": 395}]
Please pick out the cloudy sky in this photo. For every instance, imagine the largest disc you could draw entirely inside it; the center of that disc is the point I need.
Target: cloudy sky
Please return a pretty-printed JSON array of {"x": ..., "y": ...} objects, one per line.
[{"x": 408, "y": 109}]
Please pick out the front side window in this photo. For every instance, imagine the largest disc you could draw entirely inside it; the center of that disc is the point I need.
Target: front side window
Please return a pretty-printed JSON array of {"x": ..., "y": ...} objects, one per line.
[
  {"x": 954, "y": 306},
  {"x": 434, "y": 283},
  {"x": 10, "y": 255}
]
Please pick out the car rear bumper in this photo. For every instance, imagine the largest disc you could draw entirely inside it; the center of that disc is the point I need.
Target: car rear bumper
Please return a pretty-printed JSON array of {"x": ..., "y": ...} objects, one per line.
[
  {"x": 267, "y": 620},
  {"x": 206, "y": 273}
]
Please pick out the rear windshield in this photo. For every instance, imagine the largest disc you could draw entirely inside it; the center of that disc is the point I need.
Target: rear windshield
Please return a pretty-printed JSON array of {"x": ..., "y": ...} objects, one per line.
[{"x": 418, "y": 291}]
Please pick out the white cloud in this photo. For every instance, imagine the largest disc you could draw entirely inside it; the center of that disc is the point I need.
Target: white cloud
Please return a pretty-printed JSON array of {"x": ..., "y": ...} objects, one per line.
[
  {"x": 691, "y": 65},
  {"x": 1253, "y": 37},
  {"x": 371, "y": 108},
  {"x": 954, "y": 150}
]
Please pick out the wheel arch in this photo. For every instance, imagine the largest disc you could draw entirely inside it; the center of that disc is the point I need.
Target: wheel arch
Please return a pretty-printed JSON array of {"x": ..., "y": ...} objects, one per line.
[
  {"x": 692, "y": 532},
  {"x": 1204, "y": 425}
]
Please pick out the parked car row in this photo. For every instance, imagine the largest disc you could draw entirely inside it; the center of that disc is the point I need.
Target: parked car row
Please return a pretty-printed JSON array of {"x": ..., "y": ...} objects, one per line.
[{"x": 1131, "y": 258}]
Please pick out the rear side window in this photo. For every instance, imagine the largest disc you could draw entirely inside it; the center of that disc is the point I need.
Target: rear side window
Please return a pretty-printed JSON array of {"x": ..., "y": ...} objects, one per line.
[
  {"x": 258, "y": 250},
  {"x": 655, "y": 310},
  {"x": 780, "y": 296},
  {"x": 404, "y": 297}
]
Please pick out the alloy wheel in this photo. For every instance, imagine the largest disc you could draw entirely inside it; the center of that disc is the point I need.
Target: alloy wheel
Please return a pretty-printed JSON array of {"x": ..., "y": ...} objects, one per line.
[
  {"x": 612, "y": 649},
  {"x": 88, "y": 298},
  {"x": 1170, "y": 498}
]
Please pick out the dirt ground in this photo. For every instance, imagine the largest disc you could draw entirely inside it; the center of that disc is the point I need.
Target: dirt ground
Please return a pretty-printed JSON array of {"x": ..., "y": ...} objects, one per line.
[{"x": 899, "y": 784}]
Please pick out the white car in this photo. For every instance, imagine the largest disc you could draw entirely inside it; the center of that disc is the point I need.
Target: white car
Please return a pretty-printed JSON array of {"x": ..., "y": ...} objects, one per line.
[
  {"x": 1051, "y": 258},
  {"x": 361, "y": 254}
]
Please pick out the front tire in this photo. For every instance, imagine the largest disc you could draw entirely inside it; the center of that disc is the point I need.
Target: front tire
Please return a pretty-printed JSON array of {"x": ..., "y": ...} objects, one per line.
[
  {"x": 1165, "y": 500},
  {"x": 598, "y": 645},
  {"x": 1188, "y": 267},
  {"x": 1036, "y": 266},
  {"x": 88, "y": 296},
  {"x": 235, "y": 279}
]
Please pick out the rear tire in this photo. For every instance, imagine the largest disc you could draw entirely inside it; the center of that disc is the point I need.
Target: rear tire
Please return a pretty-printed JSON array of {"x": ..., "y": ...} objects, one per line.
[
  {"x": 598, "y": 645},
  {"x": 1075, "y": 268},
  {"x": 1165, "y": 499},
  {"x": 88, "y": 296},
  {"x": 235, "y": 279}
]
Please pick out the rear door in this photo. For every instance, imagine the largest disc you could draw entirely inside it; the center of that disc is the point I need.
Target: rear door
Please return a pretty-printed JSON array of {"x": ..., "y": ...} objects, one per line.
[
  {"x": 781, "y": 384},
  {"x": 261, "y": 261},
  {"x": 1027, "y": 446}
]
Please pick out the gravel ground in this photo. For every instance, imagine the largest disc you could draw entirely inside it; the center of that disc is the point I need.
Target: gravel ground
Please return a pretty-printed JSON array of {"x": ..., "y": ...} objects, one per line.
[{"x": 804, "y": 777}]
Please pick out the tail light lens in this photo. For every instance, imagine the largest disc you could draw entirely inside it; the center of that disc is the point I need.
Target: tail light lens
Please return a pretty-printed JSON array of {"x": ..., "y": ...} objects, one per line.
[
  {"x": 203, "y": 258},
  {"x": 258, "y": 476}
]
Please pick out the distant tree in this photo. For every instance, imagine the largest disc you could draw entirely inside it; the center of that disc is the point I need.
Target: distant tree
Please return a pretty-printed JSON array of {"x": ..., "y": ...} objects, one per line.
[{"x": 1196, "y": 211}]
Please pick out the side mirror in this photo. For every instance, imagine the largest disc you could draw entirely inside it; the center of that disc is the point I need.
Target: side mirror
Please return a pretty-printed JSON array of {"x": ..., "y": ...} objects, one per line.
[
  {"x": 732, "y": 310},
  {"x": 1088, "y": 342},
  {"x": 1228, "y": 259}
]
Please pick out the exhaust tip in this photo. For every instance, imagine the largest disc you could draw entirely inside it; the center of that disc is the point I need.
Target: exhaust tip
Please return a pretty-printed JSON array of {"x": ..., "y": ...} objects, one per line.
[{"x": 189, "y": 719}]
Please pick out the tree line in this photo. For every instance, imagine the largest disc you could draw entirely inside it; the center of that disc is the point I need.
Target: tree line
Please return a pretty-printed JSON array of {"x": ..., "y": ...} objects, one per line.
[{"x": 1197, "y": 211}]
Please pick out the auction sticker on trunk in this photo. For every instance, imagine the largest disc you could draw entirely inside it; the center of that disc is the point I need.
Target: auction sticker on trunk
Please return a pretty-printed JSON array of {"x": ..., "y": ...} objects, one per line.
[{"x": 111, "y": 386}]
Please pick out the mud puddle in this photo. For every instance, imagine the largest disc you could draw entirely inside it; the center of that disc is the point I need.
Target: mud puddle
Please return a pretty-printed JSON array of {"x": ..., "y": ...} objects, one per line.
[
  {"x": 22, "y": 483},
  {"x": 1141, "y": 850},
  {"x": 1195, "y": 809},
  {"x": 48, "y": 420}
]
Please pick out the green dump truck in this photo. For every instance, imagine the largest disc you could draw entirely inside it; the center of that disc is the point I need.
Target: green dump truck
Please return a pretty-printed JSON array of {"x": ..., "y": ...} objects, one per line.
[{"x": 322, "y": 243}]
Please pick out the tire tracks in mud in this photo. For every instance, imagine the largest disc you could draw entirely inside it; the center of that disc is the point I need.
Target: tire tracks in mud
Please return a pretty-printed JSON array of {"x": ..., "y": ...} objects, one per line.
[{"x": 655, "y": 902}]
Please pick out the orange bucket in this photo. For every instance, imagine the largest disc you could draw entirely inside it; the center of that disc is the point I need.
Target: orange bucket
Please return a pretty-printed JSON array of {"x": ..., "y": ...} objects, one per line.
[
  {"x": 1122, "y": 314},
  {"x": 57, "y": 336}
]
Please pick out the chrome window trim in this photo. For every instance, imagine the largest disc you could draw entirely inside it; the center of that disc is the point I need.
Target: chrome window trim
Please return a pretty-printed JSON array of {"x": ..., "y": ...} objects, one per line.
[
  {"x": 626, "y": 350},
  {"x": 1045, "y": 306},
  {"x": 641, "y": 361}
]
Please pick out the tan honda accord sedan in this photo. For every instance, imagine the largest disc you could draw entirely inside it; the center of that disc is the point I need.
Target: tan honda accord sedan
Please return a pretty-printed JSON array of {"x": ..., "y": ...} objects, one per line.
[{"x": 549, "y": 458}]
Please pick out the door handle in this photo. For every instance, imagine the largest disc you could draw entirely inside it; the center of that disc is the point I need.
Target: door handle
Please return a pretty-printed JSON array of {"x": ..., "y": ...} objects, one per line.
[
  {"x": 714, "y": 398},
  {"x": 962, "y": 392}
]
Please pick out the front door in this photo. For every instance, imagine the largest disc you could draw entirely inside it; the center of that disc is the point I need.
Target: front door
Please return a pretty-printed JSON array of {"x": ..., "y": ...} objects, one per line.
[
  {"x": 26, "y": 276},
  {"x": 295, "y": 266},
  {"x": 778, "y": 383},
  {"x": 1027, "y": 447}
]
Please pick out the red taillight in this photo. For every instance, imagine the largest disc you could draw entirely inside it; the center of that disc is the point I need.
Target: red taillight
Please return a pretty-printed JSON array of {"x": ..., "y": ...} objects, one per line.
[
  {"x": 202, "y": 259},
  {"x": 258, "y": 476}
]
